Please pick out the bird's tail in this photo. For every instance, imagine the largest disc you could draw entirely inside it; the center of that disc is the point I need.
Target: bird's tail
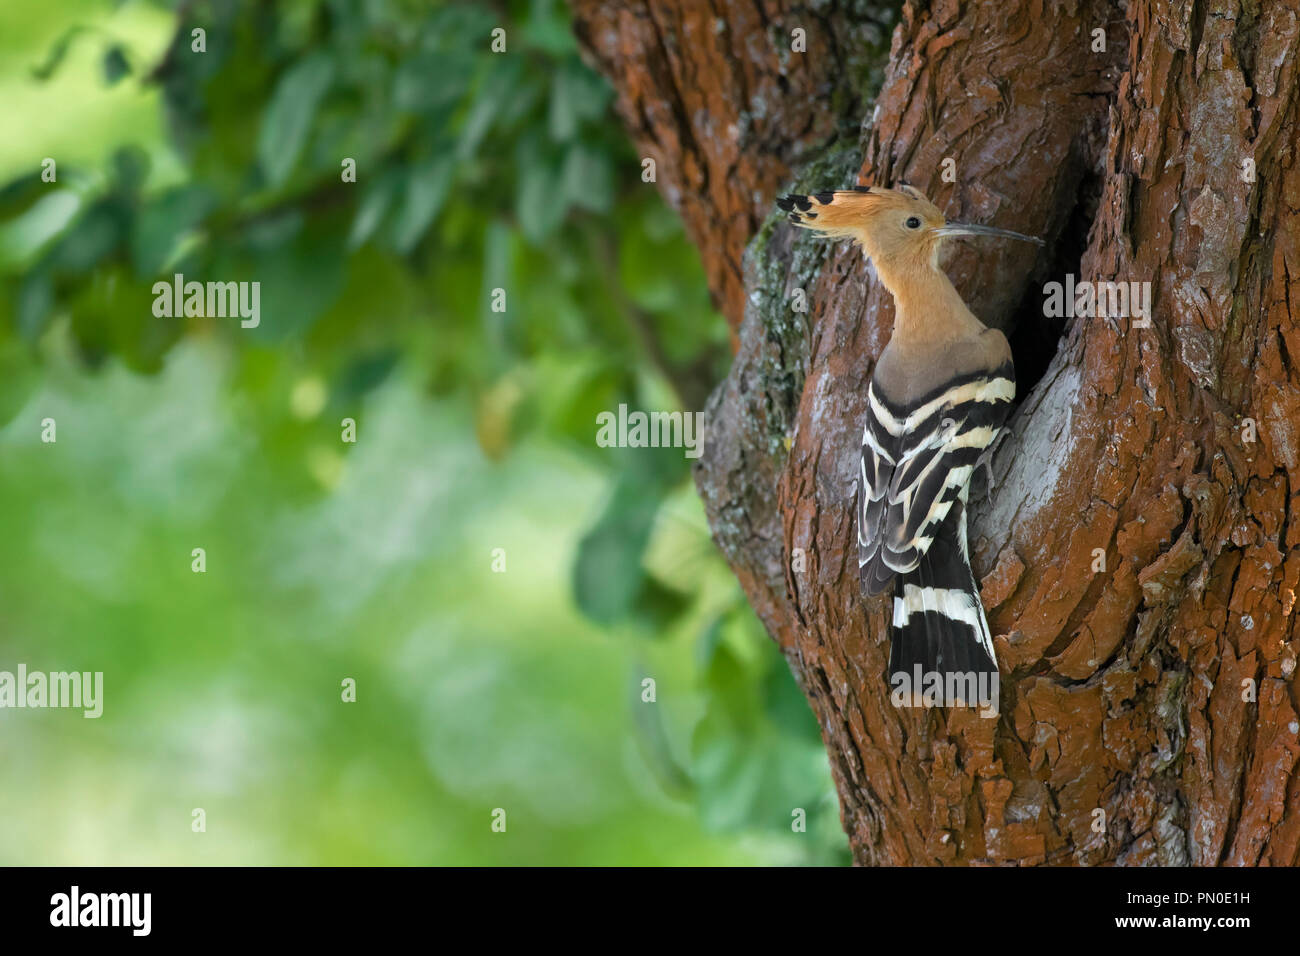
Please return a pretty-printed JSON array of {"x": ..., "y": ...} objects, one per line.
[{"x": 941, "y": 650}]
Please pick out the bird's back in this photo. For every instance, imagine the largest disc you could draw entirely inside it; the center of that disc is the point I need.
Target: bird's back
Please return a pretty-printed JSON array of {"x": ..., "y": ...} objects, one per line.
[
  {"x": 908, "y": 371},
  {"x": 932, "y": 412}
]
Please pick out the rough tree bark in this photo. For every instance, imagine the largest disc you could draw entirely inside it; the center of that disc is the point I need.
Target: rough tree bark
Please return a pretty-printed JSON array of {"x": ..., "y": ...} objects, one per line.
[{"x": 1139, "y": 556}]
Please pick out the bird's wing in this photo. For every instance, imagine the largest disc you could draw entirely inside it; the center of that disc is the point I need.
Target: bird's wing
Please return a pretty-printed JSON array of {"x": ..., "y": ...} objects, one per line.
[{"x": 917, "y": 461}]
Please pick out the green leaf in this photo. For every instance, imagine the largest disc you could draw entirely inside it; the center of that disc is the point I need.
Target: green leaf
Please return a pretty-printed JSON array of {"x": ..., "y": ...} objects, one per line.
[
  {"x": 91, "y": 239},
  {"x": 163, "y": 223},
  {"x": 426, "y": 188},
  {"x": 500, "y": 85},
  {"x": 130, "y": 169},
  {"x": 25, "y": 235},
  {"x": 370, "y": 212},
  {"x": 115, "y": 65},
  {"x": 35, "y": 300},
  {"x": 588, "y": 179},
  {"x": 656, "y": 607},
  {"x": 289, "y": 115},
  {"x": 431, "y": 80},
  {"x": 300, "y": 279},
  {"x": 540, "y": 202},
  {"x": 607, "y": 574},
  {"x": 547, "y": 29},
  {"x": 577, "y": 94},
  {"x": 57, "y": 53}
]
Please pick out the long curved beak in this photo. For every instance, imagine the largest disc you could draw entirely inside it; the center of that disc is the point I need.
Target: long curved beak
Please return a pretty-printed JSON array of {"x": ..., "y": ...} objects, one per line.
[{"x": 954, "y": 229}]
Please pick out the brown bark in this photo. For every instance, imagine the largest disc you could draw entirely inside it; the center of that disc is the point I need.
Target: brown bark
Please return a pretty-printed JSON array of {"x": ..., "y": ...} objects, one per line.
[
  {"x": 714, "y": 94},
  {"x": 1122, "y": 688}
]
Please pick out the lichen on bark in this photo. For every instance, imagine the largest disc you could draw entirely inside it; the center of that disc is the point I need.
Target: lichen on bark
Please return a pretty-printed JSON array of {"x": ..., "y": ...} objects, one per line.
[{"x": 779, "y": 263}]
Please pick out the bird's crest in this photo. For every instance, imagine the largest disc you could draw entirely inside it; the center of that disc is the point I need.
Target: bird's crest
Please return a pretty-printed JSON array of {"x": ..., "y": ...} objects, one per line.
[{"x": 847, "y": 212}]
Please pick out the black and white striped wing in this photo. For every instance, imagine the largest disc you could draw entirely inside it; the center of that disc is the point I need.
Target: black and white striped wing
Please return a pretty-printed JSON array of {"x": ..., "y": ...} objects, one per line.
[{"x": 917, "y": 461}]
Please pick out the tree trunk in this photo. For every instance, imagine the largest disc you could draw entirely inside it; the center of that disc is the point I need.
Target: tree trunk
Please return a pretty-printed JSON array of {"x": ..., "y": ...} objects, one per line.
[{"x": 1138, "y": 554}]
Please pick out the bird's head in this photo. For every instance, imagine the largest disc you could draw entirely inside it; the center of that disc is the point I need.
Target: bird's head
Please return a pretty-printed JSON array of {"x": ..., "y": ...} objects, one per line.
[{"x": 899, "y": 229}]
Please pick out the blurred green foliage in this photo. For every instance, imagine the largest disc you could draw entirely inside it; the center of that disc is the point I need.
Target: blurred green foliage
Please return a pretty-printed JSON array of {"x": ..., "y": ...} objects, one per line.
[{"x": 476, "y": 171}]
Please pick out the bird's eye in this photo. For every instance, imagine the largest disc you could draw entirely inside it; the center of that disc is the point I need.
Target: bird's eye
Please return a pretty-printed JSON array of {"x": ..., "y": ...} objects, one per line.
[{"x": 913, "y": 222}]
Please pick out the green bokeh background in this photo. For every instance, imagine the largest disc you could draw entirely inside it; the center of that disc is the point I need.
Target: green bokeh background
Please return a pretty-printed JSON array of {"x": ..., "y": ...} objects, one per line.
[{"x": 477, "y": 688}]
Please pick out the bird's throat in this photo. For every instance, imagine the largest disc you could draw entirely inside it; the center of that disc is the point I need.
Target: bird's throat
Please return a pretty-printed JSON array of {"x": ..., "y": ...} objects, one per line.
[{"x": 927, "y": 307}]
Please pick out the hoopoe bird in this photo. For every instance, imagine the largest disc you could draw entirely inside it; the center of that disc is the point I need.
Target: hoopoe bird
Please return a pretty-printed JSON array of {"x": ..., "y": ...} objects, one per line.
[{"x": 938, "y": 397}]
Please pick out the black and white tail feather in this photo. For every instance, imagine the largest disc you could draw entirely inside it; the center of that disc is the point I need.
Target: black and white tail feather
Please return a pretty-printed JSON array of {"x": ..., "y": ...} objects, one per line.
[{"x": 917, "y": 461}]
